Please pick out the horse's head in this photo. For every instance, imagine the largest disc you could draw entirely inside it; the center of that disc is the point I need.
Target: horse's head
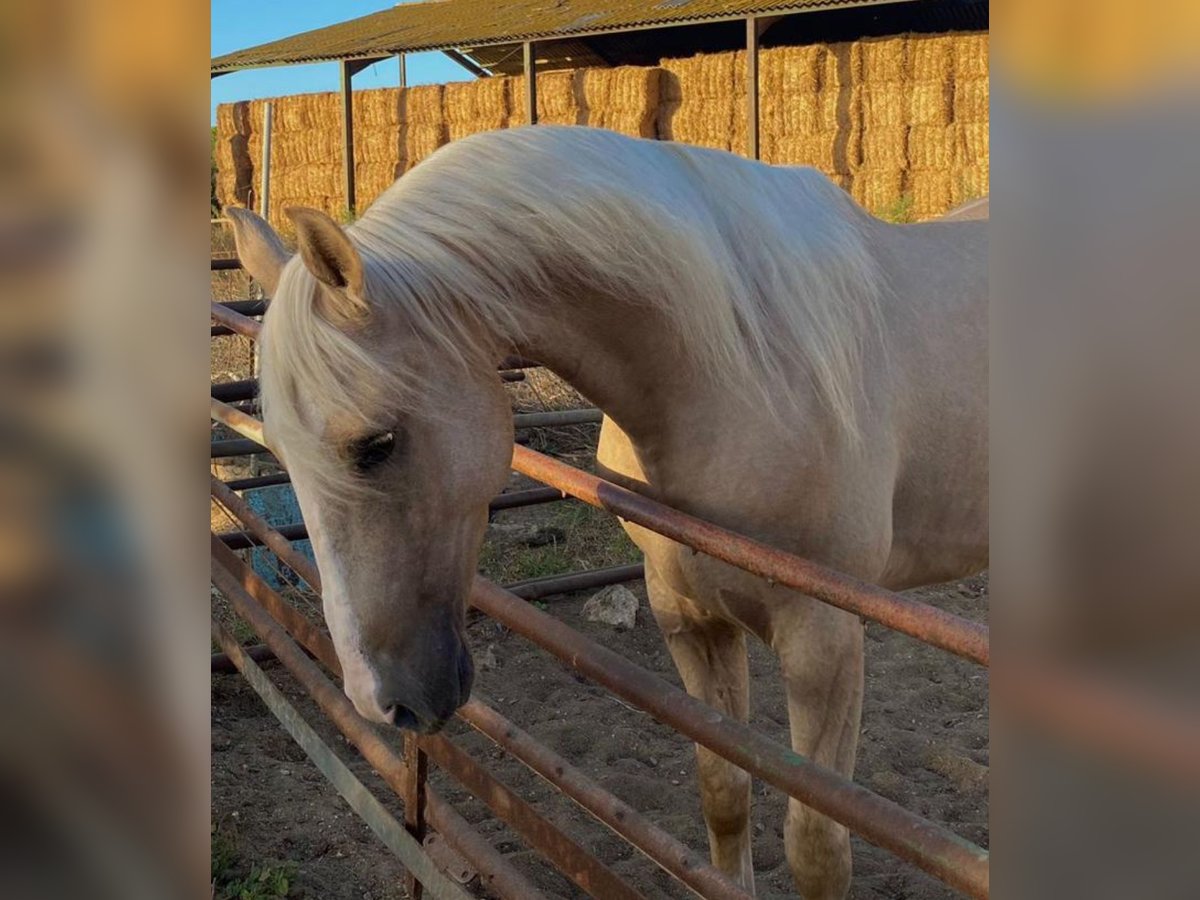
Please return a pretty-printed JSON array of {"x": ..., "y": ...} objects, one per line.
[{"x": 394, "y": 447}]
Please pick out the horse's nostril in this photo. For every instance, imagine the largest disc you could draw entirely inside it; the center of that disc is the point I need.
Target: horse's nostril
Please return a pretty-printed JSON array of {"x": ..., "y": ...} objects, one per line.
[{"x": 403, "y": 717}]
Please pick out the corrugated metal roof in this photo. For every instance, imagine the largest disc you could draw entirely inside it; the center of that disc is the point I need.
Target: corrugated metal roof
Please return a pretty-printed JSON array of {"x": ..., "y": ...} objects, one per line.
[{"x": 469, "y": 24}]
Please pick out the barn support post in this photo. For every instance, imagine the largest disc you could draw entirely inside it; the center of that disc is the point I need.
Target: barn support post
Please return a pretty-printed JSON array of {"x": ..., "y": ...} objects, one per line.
[
  {"x": 530, "y": 83},
  {"x": 264, "y": 191},
  {"x": 402, "y": 58},
  {"x": 348, "y": 70}
]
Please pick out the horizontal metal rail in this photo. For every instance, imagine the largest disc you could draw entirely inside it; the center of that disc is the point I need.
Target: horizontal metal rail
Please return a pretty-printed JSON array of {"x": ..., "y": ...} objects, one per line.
[
  {"x": 226, "y": 449},
  {"x": 249, "y": 594},
  {"x": 233, "y": 391},
  {"x": 258, "y": 481},
  {"x": 920, "y": 620},
  {"x": 935, "y": 849},
  {"x": 243, "y": 423},
  {"x": 246, "y": 307},
  {"x": 533, "y": 588},
  {"x": 235, "y": 322},
  {"x": 354, "y": 792},
  {"x": 223, "y": 265},
  {"x": 259, "y": 653}
]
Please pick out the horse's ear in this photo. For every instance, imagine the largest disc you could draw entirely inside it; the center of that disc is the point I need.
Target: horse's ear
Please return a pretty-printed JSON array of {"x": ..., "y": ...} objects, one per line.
[
  {"x": 258, "y": 247},
  {"x": 331, "y": 257}
]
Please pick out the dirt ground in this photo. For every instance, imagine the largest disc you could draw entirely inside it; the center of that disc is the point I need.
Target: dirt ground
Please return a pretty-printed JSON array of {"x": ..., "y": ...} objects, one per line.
[{"x": 924, "y": 745}]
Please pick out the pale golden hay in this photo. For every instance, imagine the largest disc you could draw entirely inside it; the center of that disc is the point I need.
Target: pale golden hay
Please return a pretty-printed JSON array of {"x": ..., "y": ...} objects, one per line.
[
  {"x": 884, "y": 105},
  {"x": 420, "y": 105},
  {"x": 624, "y": 99},
  {"x": 971, "y": 55},
  {"x": 379, "y": 145},
  {"x": 931, "y": 103},
  {"x": 883, "y": 60},
  {"x": 474, "y": 106},
  {"x": 841, "y": 66},
  {"x": 376, "y": 108},
  {"x": 791, "y": 70},
  {"x": 973, "y": 148},
  {"x": 884, "y": 147},
  {"x": 370, "y": 180},
  {"x": 932, "y": 56},
  {"x": 825, "y": 151},
  {"x": 557, "y": 98},
  {"x": 933, "y": 146},
  {"x": 877, "y": 190},
  {"x": 226, "y": 125},
  {"x": 292, "y": 114},
  {"x": 711, "y": 112},
  {"x": 931, "y": 194},
  {"x": 419, "y": 141},
  {"x": 971, "y": 100},
  {"x": 969, "y": 183},
  {"x": 313, "y": 146},
  {"x": 310, "y": 182}
]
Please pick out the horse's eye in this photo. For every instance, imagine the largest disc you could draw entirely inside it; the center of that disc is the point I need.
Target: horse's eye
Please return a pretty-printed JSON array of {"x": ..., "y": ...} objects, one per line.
[{"x": 372, "y": 451}]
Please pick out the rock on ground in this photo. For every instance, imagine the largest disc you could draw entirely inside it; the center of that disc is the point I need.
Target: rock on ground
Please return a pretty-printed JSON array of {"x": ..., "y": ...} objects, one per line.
[{"x": 614, "y": 605}]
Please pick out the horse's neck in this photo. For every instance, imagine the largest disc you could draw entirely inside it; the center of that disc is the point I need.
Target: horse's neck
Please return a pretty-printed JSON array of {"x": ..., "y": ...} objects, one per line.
[{"x": 623, "y": 357}]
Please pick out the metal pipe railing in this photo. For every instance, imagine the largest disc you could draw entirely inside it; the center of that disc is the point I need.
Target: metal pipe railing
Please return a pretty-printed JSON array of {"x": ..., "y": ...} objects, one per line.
[
  {"x": 381, "y": 757},
  {"x": 935, "y": 849},
  {"x": 920, "y": 620},
  {"x": 253, "y": 599}
]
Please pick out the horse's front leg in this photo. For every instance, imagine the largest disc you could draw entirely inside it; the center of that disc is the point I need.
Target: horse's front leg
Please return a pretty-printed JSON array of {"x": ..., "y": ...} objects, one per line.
[
  {"x": 821, "y": 654},
  {"x": 711, "y": 658}
]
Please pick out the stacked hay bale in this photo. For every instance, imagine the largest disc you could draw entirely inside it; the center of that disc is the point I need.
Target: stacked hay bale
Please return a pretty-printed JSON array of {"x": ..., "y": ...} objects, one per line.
[
  {"x": 559, "y": 98},
  {"x": 473, "y": 106},
  {"x": 900, "y": 122},
  {"x": 809, "y": 109},
  {"x": 703, "y": 101},
  {"x": 932, "y": 137},
  {"x": 306, "y": 154},
  {"x": 234, "y": 167},
  {"x": 625, "y": 99},
  {"x": 881, "y": 69},
  {"x": 948, "y": 142},
  {"x": 422, "y": 124},
  {"x": 970, "y": 170},
  {"x": 377, "y": 147}
]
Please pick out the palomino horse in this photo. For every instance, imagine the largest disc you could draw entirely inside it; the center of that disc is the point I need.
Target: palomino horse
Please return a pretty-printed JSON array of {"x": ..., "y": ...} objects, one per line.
[{"x": 769, "y": 357}]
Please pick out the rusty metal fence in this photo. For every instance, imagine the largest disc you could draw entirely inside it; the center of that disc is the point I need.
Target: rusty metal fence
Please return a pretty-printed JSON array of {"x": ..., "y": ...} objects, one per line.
[{"x": 304, "y": 650}]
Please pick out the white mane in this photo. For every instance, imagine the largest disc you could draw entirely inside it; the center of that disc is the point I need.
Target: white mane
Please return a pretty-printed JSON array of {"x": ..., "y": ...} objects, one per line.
[{"x": 762, "y": 271}]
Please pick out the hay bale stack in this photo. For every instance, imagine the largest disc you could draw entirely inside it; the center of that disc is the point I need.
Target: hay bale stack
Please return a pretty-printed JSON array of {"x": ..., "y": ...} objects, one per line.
[
  {"x": 558, "y": 99},
  {"x": 375, "y": 108},
  {"x": 421, "y": 123},
  {"x": 947, "y": 143},
  {"x": 624, "y": 99},
  {"x": 470, "y": 107},
  {"x": 703, "y": 101},
  {"x": 806, "y": 114},
  {"x": 881, "y": 72},
  {"x": 970, "y": 170},
  {"x": 877, "y": 190}
]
